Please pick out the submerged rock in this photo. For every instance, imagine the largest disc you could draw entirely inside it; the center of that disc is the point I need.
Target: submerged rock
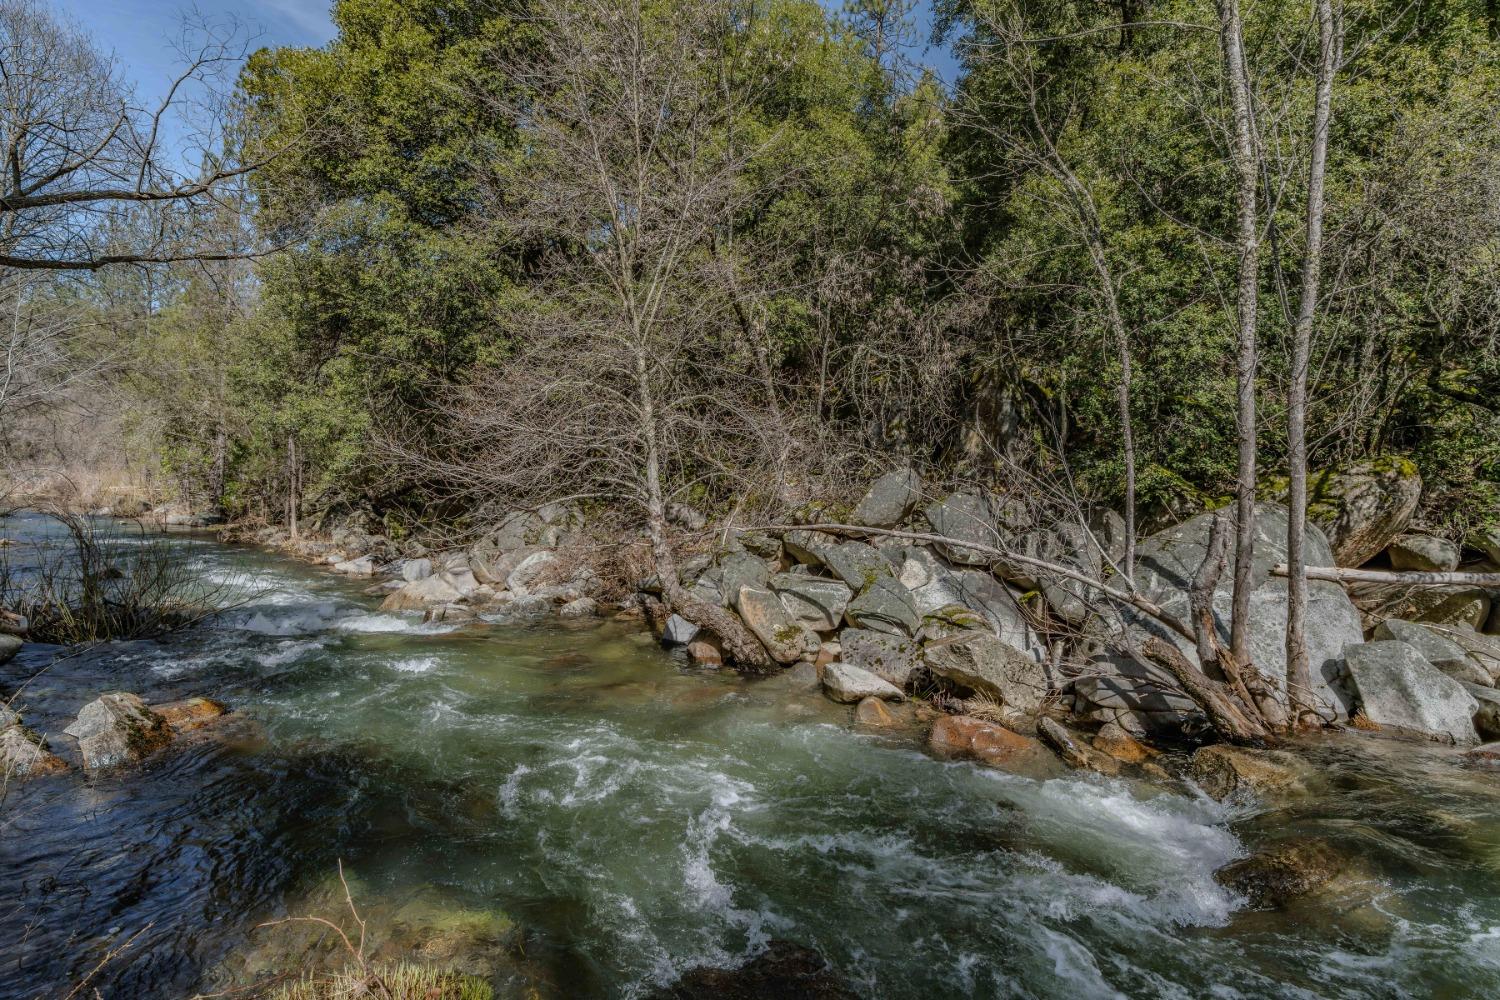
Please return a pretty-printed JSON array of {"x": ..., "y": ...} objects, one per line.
[
  {"x": 784, "y": 971},
  {"x": 1282, "y": 873},
  {"x": 988, "y": 742},
  {"x": 422, "y": 594},
  {"x": 1398, "y": 687},
  {"x": 1227, "y": 772},
  {"x": 118, "y": 728},
  {"x": 872, "y": 712},
  {"x": 849, "y": 684},
  {"x": 190, "y": 713}
]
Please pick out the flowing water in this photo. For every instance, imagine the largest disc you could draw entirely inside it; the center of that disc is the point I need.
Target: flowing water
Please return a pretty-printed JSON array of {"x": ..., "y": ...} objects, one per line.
[{"x": 627, "y": 817}]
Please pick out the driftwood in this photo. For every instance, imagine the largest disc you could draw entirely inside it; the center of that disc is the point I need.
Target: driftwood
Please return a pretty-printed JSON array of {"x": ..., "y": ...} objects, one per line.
[{"x": 1337, "y": 574}]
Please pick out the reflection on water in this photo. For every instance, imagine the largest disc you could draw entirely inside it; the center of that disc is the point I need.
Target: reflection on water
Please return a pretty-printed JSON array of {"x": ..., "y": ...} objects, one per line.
[{"x": 634, "y": 818}]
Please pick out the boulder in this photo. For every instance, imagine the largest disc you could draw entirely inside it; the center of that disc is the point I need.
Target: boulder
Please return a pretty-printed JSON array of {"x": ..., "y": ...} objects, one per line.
[
  {"x": 1282, "y": 873},
  {"x": 582, "y": 607},
  {"x": 814, "y": 602},
  {"x": 1482, "y": 649},
  {"x": 706, "y": 650},
  {"x": 1486, "y": 540},
  {"x": 363, "y": 566},
  {"x": 679, "y": 631},
  {"x": 1073, "y": 751},
  {"x": 1448, "y": 606},
  {"x": 966, "y": 736},
  {"x": 530, "y": 571},
  {"x": 1423, "y": 554},
  {"x": 937, "y": 589},
  {"x": 1167, "y": 561},
  {"x": 764, "y": 615},
  {"x": 1439, "y": 650},
  {"x": 738, "y": 570},
  {"x": 857, "y": 564},
  {"x": 1142, "y": 699},
  {"x": 872, "y": 712},
  {"x": 413, "y": 570},
  {"x": 10, "y": 645},
  {"x": 190, "y": 713},
  {"x": 117, "y": 728},
  {"x": 1226, "y": 772},
  {"x": 23, "y": 755},
  {"x": 884, "y": 606},
  {"x": 1487, "y": 755},
  {"x": 807, "y": 547},
  {"x": 966, "y": 517},
  {"x": 422, "y": 594},
  {"x": 1115, "y": 741},
  {"x": 987, "y": 665},
  {"x": 1397, "y": 687},
  {"x": 456, "y": 573},
  {"x": 516, "y": 530},
  {"x": 889, "y": 500},
  {"x": 847, "y": 683},
  {"x": 1361, "y": 507},
  {"x": 889, "y": 657},
  {"x": 1487, "y": 718}
]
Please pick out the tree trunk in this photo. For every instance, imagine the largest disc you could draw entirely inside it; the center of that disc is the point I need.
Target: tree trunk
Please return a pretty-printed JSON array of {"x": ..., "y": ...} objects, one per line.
[
  {"x": 1247, "y": 243},
  {"x": 1298, "y": 673},
  {"x": 1224, "y": 713}
]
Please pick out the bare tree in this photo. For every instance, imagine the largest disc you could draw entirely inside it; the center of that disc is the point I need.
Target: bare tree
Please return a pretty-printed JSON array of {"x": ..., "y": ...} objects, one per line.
[
  {"x": 631, "y": 383},
  {"x": 1298, "y": 676},
  {"x": 1245, "y": 159},
  {"x": 89, "y": 175}
]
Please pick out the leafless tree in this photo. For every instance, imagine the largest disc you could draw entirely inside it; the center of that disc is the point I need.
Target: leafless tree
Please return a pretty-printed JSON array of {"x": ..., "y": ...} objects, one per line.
[
  {"x": 631, "y": 382},
  {"x": 1298, "y": 679},
  {"x": 90, "y": 175}
]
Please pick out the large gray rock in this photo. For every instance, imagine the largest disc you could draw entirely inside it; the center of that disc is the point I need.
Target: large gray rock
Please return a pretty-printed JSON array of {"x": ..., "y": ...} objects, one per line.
[
  {"x": 892, "y": 658},
  {"x": 1441, "y": 651},
  {"x": 363, "y": 566},
  {"x": 884, "y": 606},
  {"x": 857, "y": 564},
  {"x": 1167, "y": 562},
  {"x": 808, "y": 547},
  {"x": 530, "y": 572},
  {"x": 738, "y": 570},
  {"x": 814, "y": 602},
  {"x": 889, "y": 500},
  {"x": 117, "y": 728},
  {"x": 1487, "y": 718},
  {"x": 422, "y": 594},
  {"x": 1396, "y": 686},
  {"x": 10, "y": 645},
  {"x": 1361, "y": 507},
  {"x": 1468, "y": 606},
  {"x": 1142, "y": 698},
  {"x": 844, "y": 682},
  {"x": 937, "y": 588},
  {"x": 678, "y": 631},
  {"x": 1486, "y": 540},
  {"x": 1483, "y": 649},
  {"x": 1423, "y": 554},
  {"x": 966, "y": 518},
  {"x": 419, "y": 569},
  {"x": 984, "y": 664},
  {"x": 764, "y": 615}
]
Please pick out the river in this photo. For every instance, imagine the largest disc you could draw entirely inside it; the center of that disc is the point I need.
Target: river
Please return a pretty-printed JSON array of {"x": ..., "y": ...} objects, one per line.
[{"x": 623, "y": 817}]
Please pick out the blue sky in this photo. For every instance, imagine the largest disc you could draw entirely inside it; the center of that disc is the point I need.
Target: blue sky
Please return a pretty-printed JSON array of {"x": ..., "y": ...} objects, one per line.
[{"x": 139, "y": 32}]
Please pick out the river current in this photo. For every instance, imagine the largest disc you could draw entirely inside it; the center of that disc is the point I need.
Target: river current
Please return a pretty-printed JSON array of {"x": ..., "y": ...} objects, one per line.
[{"x": 628, "y": 817}]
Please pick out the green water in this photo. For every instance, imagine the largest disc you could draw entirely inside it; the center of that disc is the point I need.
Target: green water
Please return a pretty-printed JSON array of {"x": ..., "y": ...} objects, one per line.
[{"x": 635, "y": 817}]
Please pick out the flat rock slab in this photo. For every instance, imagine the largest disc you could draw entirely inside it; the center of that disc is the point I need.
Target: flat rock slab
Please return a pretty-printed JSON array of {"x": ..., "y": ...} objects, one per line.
[
  {"x": 814, "y": 602},
  {"x": 1398, "y": 687},
  {"x": 892, "y": 658},
  {"x": 885, "y": 606},
  {"x": 1440, "y": 650}
]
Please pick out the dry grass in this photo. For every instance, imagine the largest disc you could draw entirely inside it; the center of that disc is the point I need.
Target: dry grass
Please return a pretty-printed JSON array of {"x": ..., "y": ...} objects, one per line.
[{"x": 399, "y": 981}]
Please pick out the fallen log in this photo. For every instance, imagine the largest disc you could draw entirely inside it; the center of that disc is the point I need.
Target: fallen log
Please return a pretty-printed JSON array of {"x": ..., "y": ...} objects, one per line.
[{"x": 1337, "y": 574}]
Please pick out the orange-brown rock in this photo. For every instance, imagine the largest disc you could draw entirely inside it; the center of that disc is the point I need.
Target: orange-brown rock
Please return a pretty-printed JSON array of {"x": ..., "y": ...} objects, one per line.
[
  {"x": 966, "y": 736},
  {"x": 872, "y": 712},
  {"x": 706, "y": 650},
  {"x": 1115, "y": 741},
  {"x": 190, "y": 713}
]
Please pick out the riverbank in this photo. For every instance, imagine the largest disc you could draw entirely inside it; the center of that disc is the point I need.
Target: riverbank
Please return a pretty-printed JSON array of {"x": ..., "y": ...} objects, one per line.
[{"x": 574, "y": 745}]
